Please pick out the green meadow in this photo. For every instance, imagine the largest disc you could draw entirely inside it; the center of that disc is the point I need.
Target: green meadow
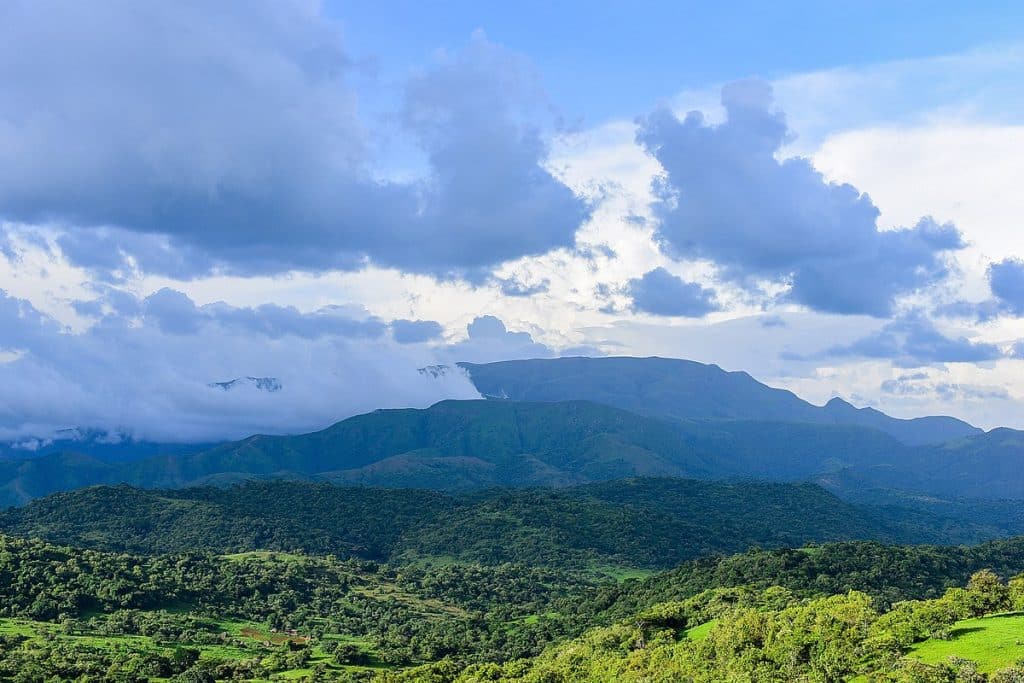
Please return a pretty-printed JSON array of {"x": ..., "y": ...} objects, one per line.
[{"x": 992, "y": 642}]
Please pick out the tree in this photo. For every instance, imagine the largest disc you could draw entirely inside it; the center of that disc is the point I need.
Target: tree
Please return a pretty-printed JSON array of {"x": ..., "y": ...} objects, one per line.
[{"x": 989, "y": 594}]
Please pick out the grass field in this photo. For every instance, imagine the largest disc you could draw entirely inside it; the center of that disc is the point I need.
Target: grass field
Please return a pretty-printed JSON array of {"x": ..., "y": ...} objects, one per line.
[
  {"x": 700, "y": 632},
  {"x": 992, "y": 642},
  {"x": 248, "y": 640}
]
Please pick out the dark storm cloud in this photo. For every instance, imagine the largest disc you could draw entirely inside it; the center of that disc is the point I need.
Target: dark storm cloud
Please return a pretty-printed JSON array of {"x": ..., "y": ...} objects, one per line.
[
  {"x": 659, "y": 292},
  {"x": 727, "y": 197},
  {"x": 176, "y": 138}
]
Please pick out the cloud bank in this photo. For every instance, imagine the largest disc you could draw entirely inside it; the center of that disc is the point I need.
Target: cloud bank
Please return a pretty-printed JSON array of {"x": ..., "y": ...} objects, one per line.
[
  {"x": 180, "y": 139},
  {"x": 146, "y": 373}
]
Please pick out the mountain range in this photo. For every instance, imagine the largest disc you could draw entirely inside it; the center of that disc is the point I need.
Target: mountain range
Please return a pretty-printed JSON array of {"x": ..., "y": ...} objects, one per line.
[
  {"x": 577, "y": 420},
  {"x": 667, "y": 387}
]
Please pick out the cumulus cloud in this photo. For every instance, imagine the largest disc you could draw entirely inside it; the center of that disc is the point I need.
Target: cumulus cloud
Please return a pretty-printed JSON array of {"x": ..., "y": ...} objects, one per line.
[
  {"x": 149, "y": 376},
  {"x": 21, "y": 325},
  {"x": 659, "y": 292},
  {"x": 415, "y": 331},
  {"x": 489, "y": 340},
  {"x": 1006, "y": 282},
  {"x": 726, "y": 196},
  {"x": 514, "y": 286},
  {"x": 176, "y": 138},
  {"x": 1006, "y": 278},
  {"x": 914, "y": 341},
  {"x": 175, "y": 313}
]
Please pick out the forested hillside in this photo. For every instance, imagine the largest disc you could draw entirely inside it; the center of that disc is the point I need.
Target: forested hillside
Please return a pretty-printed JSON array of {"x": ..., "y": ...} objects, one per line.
[
  {"x": 772, "y": 636},
  {"x": 773, "y": 616},
  {"x": 461, "y": 445},
  {"x": 636, "y": 523}
]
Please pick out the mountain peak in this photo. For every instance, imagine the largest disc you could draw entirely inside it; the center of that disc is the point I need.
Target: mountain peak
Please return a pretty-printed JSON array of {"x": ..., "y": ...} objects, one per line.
[{"x": 837, "y": 403}]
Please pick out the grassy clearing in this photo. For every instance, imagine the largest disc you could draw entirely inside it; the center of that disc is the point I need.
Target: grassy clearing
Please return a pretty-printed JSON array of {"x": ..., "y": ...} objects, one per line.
[
  {"x": 248, "y": 640},
  {"x": 385, "y": 591},
  {"x": 266, "y": 556},
  {"x": 18, "y": 627},
  {"x": 700, "y": 632},
  {"x": 992, "y": 642},
  {"x": 536, "y": 618},
  {"x": 618, "y": 573}
]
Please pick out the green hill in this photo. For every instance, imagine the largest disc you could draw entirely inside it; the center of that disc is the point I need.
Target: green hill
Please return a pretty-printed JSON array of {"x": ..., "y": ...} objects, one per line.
[
  {"x": 478, "y": 444},
  {"x": 774, "y": 636},
  {"x": 636, "y": 523},
  {"x": 453, "y": 444},
  {"x": 71, "y": 614},
  {"x": 888, "y": 573}
]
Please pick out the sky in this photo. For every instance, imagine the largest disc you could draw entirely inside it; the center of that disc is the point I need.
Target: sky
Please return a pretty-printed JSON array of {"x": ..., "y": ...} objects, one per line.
[{"x": 336, "y": 195}]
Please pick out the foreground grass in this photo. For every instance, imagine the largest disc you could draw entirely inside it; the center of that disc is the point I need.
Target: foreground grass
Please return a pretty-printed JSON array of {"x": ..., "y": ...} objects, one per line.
[
  {"x": 247, "y": 641},
  {"x": 993, "y": 642}
]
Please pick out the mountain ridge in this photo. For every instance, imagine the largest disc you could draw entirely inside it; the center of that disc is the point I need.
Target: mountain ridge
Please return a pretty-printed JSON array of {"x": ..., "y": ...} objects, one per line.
[
  {"x": 645, "y": 522},
  {"x": 671, "y": 387},
  {"x": 480, "y": 443}
]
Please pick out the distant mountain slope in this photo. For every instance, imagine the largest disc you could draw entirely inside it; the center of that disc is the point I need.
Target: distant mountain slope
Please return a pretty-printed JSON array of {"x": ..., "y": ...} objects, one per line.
[
  {"x": 97, "y": 444},
  {"x": 689, "y": 390},
  {"x": 479, "y": 444},
  {"x": 634, "y": 522},
  {"x": 453, "y": 444},
  {"x": 989, "y": 465}
]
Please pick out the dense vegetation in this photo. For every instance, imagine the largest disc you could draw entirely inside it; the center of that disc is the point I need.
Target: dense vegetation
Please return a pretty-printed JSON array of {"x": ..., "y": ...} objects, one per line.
[
  {"x": 636, "y": 523},
  {"x": 197, "y": 601},
  {"x": 888, "y": 573},
  {"x": 768, "y": 636},
  {"x": 826, "y": 613}
]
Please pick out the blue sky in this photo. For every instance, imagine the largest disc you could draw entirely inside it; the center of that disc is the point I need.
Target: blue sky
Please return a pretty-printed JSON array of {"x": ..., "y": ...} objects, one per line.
[
  {"x": 338, "y": 194},
  {"x": 614, "y": 59}
]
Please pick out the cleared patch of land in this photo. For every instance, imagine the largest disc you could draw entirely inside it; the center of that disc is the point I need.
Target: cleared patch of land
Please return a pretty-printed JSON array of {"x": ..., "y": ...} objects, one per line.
[
  {"x": 993, "y": 642},
  {"x": 701, "y": 632}
]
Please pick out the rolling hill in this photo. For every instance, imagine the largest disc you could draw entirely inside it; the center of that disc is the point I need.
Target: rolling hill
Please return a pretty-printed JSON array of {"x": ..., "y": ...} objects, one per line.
[
  {"x": 477, "y": 444},
  {"x": 651, "y": 523},
  {"x": 453, "y": 444}
]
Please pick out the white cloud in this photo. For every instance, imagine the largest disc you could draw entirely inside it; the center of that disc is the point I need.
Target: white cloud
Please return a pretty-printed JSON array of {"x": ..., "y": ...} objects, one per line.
[
  {"x": 963, "y": 172},
  {"x": 949, "y": 148},
  {"x": 131, "y": 376}
]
